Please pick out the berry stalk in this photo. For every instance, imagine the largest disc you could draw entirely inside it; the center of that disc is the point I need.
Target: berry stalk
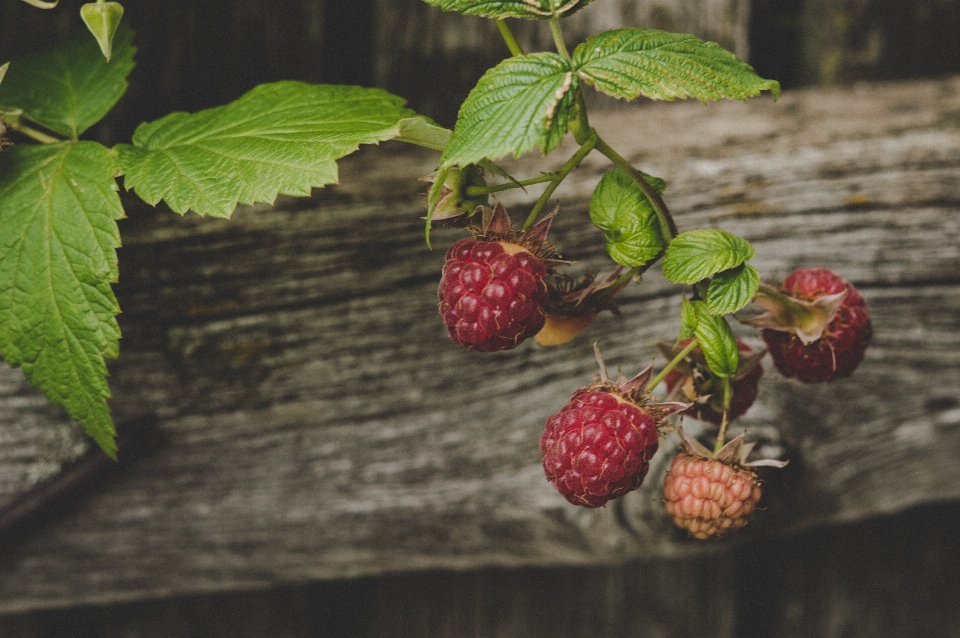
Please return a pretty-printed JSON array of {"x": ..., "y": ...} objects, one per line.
[
  {"x": 677, "y": 360},
  {"x": 561, "y": 175}
]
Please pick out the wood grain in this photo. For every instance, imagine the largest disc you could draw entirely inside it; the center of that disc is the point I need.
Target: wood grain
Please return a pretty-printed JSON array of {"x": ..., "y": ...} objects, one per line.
[{"x": 319, "y": 425}]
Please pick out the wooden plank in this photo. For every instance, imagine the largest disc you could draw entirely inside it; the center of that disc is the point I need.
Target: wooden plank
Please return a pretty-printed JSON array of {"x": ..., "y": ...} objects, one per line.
[{"x": 318, "y": 424}]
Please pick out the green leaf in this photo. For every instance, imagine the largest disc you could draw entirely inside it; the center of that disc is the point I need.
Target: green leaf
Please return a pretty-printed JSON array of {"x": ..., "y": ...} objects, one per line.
[
  {"x": 716, "y": 341},
  {"x": 540, "y": 9},
  {"x": 58, "y": 235},
  {"x": 523, "y": 103},
  {"x": 71, "y": 87},
  {"x": 698, "y": 254},
  {"x": 731, "y": 290},
  {"x": 281, "y": 138},
  {"x": 627, "y": 63},
  {"x": 102, "y": 18},
  {"x": 622, "y": 211},
  {"x": 688, "y": 320}
]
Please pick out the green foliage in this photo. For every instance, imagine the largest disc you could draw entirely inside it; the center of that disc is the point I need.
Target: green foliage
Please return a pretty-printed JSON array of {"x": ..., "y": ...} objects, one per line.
[
  {"x": 714, "y": 336},
  {"x": 58, "y": 235},
  {"x": 280, "y": 138},
  {"x": 103, "y": 19},
  {"x": 523, "y": 103},
  {"x": 698, "y": 254},
  {"x": 627, "y": 63},
  {"x": 731, "y": 290},
  {"x": 540, "y": 9},
  {"x": 71, "y": 87},
  {"x": 622, "y": 211}
]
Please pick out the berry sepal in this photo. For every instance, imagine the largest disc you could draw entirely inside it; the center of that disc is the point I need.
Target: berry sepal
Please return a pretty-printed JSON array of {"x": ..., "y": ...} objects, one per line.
[{"x": 806, "y": 319}]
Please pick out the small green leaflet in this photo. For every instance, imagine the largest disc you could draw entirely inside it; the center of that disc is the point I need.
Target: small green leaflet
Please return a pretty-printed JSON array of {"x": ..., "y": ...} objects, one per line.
[
  {"x": 58, "y": 235},
  {"x": 280, "y": 138},
  {"x": 714, "y": 336},
  {"x": 622, "y": 211},
  {"x": 69, "y": 88},
  {"x": 627, "y": 63},
  {"x": 523, "y": 103},
  {"x": 731, "y": 290},
  {"x": 698, "y": 254},
  {"x": 541, "y": 9}
]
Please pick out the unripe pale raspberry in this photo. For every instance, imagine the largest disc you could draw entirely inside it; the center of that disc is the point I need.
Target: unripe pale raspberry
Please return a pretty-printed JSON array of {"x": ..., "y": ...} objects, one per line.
[
  {"x": 709, "y": 498},
  {"x": 492, "y": 294},
  {"x": 817, "y": 327},
  {"x": 710, "y": 494},
  {"x": 599, "y": 446}
]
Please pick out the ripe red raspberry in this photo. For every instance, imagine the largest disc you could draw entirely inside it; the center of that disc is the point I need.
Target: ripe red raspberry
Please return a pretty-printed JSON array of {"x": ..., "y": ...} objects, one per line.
[
  {"x": 493, "y": 289},
  {"x": 709, "y": 494},
  {"x": 599, "y": 446},
  {"x": 492, "y": 294},
  {"x": 693, "y": 381},
  {"x": 817, "y": 327}
]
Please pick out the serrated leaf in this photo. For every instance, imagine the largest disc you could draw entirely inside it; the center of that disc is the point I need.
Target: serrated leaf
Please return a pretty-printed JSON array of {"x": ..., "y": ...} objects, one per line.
[
  {"x": 698, "y": 254},
  {"x": 280, "y": 138},
  {"x": 688, "y": 320},
  {"x": 539, "y": 9},
  {"x": 716, "y": 340},
  {"x": 58, "y": 235},
  {"x": 627, "y": 63},
  {"x": 523, "y": 103},
  {"x": 71, "y": 87},
  {"x": 731, "y": 290},
  {"x": 624, "y": 213}
]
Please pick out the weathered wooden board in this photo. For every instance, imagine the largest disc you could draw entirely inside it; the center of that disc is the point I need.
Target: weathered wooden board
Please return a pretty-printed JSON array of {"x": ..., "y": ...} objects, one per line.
[{"x": 318, "y": 424}]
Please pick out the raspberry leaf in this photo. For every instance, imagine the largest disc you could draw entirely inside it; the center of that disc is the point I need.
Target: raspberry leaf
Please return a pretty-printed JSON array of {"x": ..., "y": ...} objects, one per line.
[
  {"x": 540, "y": 9},
  {"x": 523, "y": 103},
  {"x": 688, "y": 320},
  {"x": 628, "y": 63},
  {"x": 71, "y": 87},
  {"x": 731, "y": 290},
  {"x": 622, "y": 211},
  {"x": 280, "y": 138},
  {"x": 58, "y": 235},
  {"x": 698, "y": 254},
  {"x": 715, "y": 338}
]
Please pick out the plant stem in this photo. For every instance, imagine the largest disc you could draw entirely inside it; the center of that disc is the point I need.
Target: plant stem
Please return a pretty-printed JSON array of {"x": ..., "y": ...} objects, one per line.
[
  {"x": 559, "y": 176},
  {"x": 477, "y": 191},
  {"x": 34, "y": 134},
  {"x": 558, "y": 38},
  {"x": 673, "y": 364},
  {"x": 668, "y": 228},
  {"x": 727, "y": 397},
  {"x": 509, "y": 38}
]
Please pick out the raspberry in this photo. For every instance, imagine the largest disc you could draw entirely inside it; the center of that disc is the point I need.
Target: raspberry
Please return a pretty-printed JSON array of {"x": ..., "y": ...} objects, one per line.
[
  {"x": 710, "y": 495},
  {"x": 493, "y": 289},
  {"x": 693, "y": 380},
  {"x": 492, "y": 294},
  {"x": 599, "y": 446},
  {"x": 817, "y": 328}
]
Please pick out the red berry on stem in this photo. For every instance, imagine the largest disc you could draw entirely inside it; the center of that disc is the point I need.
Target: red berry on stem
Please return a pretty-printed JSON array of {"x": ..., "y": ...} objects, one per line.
[
  {"x": 493, "y": 287},
  {"x": 599, "y": 446},
  {"x": 816, "y": 327}
]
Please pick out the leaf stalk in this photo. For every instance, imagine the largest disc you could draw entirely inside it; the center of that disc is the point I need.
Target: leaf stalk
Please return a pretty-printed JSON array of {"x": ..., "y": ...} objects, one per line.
[
  {"x": 507, "y": 34},
  {"x": 33, "y": 133},
  {"x": 557, "y": 34}
]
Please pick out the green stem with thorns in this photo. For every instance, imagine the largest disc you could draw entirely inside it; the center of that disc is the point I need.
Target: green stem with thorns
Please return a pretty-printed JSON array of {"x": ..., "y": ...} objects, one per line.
[{"x": 560, "y": 175}]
